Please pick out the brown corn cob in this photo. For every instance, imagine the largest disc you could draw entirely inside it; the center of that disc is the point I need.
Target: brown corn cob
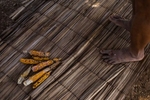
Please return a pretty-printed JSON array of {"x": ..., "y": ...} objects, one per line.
[
  {"x": 42, "y": 65},
  {"x": 28, "y": 61},
  {"x": 39, "y": 53}
]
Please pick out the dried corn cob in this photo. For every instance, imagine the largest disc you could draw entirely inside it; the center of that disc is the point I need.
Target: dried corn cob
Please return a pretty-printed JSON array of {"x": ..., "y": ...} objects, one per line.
[
  {"x": 28, "y": 61},
  {"x": 40, "y": 58},
  {"x": 57, "y": 59},
  {"x": 52, "y": 67},
  {"x": 24, "y": 75},
  {"x": 41, "y": 80},
  {"x": 36, "y": 76},
  {"x": 45, "y": 76},
  {"x": 39, "y": 53},
  {"x": 42, "y": 65}
]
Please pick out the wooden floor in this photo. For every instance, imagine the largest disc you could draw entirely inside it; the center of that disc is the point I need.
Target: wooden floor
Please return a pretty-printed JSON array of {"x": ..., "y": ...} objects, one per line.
[{"x": 73, "y": 30}]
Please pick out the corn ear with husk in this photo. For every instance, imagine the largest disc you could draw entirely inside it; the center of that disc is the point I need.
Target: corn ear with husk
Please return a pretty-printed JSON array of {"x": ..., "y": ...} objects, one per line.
[
  {"x": 45, "y": 76},
  {"x": 24, "y": 75},
  {"x": 39, "y": 53},
  {"x": 41, "y": 80},
  {"x": 28, "y": 61},
  {"x": 36, "y": 77}
]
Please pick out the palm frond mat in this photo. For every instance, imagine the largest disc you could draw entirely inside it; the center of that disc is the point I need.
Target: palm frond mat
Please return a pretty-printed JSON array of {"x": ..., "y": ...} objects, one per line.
[{"x": 72, "y": 30}]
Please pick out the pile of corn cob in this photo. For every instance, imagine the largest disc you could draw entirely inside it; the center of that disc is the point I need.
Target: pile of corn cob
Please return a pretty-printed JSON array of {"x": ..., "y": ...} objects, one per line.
[{"x": 41, "y": 64}]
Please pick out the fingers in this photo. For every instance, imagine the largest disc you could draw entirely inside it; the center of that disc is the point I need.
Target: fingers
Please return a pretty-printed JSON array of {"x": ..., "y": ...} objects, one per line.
[
  {"x": 108, "y": 56},
  {"x": 109, "y": 61},
  {"x": 107, "y": 53},
  {"x": 115, "y": 17}
]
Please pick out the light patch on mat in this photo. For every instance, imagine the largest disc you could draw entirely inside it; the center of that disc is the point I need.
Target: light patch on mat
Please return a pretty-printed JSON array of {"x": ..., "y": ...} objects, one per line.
[{"x": 92, "y": 3}]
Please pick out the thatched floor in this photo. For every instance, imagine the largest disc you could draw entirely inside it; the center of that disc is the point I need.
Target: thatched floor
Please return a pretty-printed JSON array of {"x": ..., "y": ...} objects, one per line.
[{"x": 73, "y": 30}]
